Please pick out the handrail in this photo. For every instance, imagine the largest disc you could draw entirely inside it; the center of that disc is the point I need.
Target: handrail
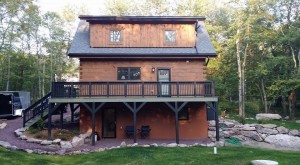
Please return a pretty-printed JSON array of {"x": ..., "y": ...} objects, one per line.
[
  {"x": 130, "y": 89},
  {"x": 36, "y": 109}
]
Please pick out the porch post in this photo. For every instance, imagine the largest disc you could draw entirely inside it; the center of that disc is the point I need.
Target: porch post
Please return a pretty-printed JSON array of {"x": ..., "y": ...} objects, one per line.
[
  {"x": 134, "y": 122},
  {"x": 72, "y": 112},
  {"x": 93, "y": 123},
  {"x": 217, "y": 121},
  {"x": 177, "y": 127},
  {"x": 49, "y": 119},
  {"x": 61, "y": 116}
]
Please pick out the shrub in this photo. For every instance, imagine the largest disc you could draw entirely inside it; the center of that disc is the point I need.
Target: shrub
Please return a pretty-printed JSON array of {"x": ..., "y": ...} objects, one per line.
[
  {"x": 241, "y": 120},
  {"x": 40, "y": 124},
  {"x": 32, "y": 130},
  {"x": 252, "y": 108},
  {"x": 230, "y": 107}
]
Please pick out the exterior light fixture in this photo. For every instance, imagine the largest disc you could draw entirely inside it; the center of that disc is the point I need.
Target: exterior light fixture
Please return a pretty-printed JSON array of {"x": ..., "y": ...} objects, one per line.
[{"x": 153, "y": 69}]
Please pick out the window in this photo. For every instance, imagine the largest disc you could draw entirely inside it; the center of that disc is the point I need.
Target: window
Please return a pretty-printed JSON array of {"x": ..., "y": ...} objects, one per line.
[
  {"x": 183, "y": 114},
  {"x": 170, "y": 36},
  {"x": 129, "y": 73},
  {"x": 115, "y": 36}
]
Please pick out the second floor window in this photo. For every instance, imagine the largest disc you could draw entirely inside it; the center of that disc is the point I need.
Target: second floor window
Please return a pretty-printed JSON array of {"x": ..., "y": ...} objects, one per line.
[
  {"x": 130, "y": 73},
  {"x": 115, "y": 36},
  {"x": 170, "y": 36}
]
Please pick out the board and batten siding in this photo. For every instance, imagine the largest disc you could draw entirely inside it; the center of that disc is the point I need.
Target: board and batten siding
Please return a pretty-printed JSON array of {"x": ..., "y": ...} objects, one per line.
[
  {"x": 104, "y": 70},
  {"x": 142, "y": 35}
]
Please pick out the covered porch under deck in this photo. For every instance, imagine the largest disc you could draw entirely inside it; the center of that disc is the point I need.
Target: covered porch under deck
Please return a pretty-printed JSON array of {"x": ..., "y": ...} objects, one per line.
[{"x": 198, "y": 93}]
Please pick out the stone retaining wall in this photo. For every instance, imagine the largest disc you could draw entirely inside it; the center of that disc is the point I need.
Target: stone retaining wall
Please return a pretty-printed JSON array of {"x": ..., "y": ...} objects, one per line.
[{"x": 267, "y": 133}]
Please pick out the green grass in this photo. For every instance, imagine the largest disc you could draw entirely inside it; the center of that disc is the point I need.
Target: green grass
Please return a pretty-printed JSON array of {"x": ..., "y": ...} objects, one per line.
[{"x": 157, "y": 156}]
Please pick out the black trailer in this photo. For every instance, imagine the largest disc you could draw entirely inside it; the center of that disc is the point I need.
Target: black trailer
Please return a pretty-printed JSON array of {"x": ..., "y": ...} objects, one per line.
[{"x": 12, "y": 103}]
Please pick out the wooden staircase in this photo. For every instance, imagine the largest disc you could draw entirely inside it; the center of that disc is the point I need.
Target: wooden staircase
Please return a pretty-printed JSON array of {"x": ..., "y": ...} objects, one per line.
[{"x": 37, "y": 111}]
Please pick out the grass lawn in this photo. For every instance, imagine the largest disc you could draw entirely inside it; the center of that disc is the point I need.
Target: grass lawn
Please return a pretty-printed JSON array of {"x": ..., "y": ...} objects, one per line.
[{"x": 157, "y": 155}]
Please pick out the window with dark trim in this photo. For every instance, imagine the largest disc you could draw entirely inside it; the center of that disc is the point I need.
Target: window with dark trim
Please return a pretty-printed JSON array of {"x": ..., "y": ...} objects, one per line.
[
  {"x": 115, "y": 36},
  {"x": 170, "y": 36},
  {"x": 183, "y": 114},
  {"x": 129, "y": 73}
]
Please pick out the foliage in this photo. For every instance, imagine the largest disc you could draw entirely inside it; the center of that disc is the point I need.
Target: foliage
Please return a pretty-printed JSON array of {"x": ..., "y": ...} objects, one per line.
[
  {"x": 158, "y": 155},
  {"x": 253, "y": 107}
]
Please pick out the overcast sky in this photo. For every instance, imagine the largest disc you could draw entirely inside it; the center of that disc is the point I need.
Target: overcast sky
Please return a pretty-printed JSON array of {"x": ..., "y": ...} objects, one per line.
[{"x": 93, "y": 6}]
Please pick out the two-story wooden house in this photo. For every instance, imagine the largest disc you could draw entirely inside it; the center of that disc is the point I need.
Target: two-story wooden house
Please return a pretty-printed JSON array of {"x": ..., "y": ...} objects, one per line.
[{"x": 141, "y": 76}]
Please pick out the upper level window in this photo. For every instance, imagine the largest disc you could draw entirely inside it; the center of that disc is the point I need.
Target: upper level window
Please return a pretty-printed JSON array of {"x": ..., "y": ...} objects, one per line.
[
  {"x": 129, "y": 73},
  {"x": 170, "y": 36},
  {"x": 115, "y": 36}
]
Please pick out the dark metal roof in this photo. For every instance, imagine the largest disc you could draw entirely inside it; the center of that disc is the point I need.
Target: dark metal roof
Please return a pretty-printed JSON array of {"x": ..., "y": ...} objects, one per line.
[
  {"x": 81, "y": 47},
  {"x": 141, "y": 19}
]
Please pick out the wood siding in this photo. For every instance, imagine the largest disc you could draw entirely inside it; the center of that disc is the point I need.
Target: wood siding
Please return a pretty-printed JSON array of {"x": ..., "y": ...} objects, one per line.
[
  {"x": 157, "y": 115},
  {"x": 142, "y": 35},
  {"x": 181, "y": 70}
]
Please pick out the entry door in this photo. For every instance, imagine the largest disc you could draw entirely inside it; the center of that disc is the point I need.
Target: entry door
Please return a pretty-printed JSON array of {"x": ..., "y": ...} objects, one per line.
[
  {"x": 6, "y": 104},
  {"x": 109, "y": 123},
  {"x": 164, "y": 76}
]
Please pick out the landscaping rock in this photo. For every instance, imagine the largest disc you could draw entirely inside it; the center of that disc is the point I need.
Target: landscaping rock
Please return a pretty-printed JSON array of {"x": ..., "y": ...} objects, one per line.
[
  {"x": 46, "y": 142},
  {"x": 77, "y": 141},
  {"x": 3, "y": 125},
  {"x": 252, "y": 134},
  {"x": 18, "y": 133},
  {"x": 284, "y": 140},
  {"x": 65, "y": 144},
  {"x": 134, "y": 144},
  {"x": 297, "y": 121},
  {"x": 29, "y": 151},
  {"x": 212, "y": 128},
  {"x": 172, "y": 145},
  {"x": 146, "y": 145},
  {"x": 23, "y": 137},
  {"x": 267, "y": 116},
  {"x": 294, "y": 132},
  {"x": 210, "y": 144},
  {"x": 123, "y": 144},
  {"x": 211, "y": 134},
  {"x": 282, "y": 130},
  {"x": 30, "y": 140},
  {"x": 4, "y": 144},
  {"x": 211, "y": 123},
  {"x": 101, "y": 149},
  {"x": 264, "y": 162},
  {"x": 61, "y": 152},
  {"x": 248, "y": 128},
  {"x": 182, "y": 145},
  {"x": 154, "y": 145},
  {"x": 56, "y": 141},
  {"x": 267, "y": 131},
  {"x": 226, "y": 124},
  {"x": 271, "y": 126}
]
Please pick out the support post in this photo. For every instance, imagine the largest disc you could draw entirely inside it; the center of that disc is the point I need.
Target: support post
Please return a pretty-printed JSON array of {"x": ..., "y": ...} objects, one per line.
[
  {"x": 72, "y": 112},
  {"x": 217, "y": 121},
  {"x": 93, "y": 124},
  {"x": 177, "y": 127},
  {"x": 49, "y": 120},
  {"x": 61, "y": 116}
]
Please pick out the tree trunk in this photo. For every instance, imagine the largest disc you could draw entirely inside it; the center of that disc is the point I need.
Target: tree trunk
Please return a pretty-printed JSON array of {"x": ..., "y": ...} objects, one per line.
[
  {"x": 298, "y": 72},
  {"x": 294, "y": 57},
  {"x": 265, "y": 101},
  {"x": 238, "y": 55},
  {"x": 283, "y": 104}
]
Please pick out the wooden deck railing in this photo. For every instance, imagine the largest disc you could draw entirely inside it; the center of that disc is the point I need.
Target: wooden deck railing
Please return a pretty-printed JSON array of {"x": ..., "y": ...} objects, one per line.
[{"x": 132, "y": 89}]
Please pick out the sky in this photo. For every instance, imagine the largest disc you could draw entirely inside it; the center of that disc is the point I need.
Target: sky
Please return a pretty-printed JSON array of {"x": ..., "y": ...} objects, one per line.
[{"x": 94, "y": 6}]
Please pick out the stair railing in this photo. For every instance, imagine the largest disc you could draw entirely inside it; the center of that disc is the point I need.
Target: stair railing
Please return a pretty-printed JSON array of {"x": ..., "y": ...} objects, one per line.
[{"x": 36, "y": 109}]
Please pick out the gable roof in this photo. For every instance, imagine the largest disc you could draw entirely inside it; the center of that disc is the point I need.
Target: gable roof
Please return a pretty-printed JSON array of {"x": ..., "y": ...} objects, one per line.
[{"x": 80, "y": 46}]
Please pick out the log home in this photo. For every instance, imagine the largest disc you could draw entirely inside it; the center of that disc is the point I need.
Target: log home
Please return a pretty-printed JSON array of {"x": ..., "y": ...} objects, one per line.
[{"x": 140, "y": 77}]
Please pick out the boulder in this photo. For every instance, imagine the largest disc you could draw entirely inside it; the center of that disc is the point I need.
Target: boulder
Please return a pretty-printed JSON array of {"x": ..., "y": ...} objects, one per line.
[
  {"x": 123, "y": 144},
  {"x": 23, "y": 137},
  {"x": 154, "y": 145},
  {"x": 267, "y": 131},
  {"x": 65, "y": 144},
  {"x": 77, "y": 141},
  {"x": 146, "y": 145},
  {"x": 134, "y": 144},
  {"x": 294, "y": 132},
  {"x": 18, "y": 133},
  {"x": 182, "y": 145},
  {"x": 29, "y": 151},
  {"x": 284, "y": 140},
  {"x": 297, "y": 121},
  {"x": 282, "y": 130},
  {"x": 264, "y": 162},
  {"x": 267, "y": 116},
  {"x": 3, "y": 125},
  {"x": 226, "y": 124}
]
